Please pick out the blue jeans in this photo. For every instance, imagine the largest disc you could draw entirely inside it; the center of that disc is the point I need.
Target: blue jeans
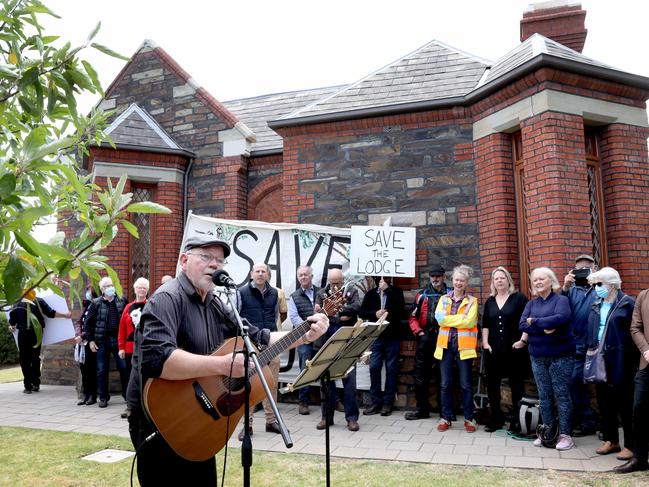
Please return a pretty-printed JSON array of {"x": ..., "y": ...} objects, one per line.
[
  {"x": 384, "y": 350},
  {"x": 583, "y": 415},
  {"x": 105, "y": 349},
  {"x": 304, "y": 353},
  {"x": 349, "y": 401},
  {"x": 553, "y": 376},
  {"x": 466, "y": 382}
]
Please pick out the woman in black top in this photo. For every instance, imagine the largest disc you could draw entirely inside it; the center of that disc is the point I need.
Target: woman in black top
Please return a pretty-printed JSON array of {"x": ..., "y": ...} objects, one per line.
[{"x": 500, "y": 320}]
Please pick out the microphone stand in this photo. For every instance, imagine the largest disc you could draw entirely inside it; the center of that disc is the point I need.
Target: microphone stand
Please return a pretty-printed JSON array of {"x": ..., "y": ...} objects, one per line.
[{"x": 249, "y": 352}]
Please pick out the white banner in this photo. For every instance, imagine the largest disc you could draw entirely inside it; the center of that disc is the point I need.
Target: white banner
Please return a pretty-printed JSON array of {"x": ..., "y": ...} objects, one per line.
[
  {"x": 383, "y": 251},
  {"x": 283, "y": 246}
]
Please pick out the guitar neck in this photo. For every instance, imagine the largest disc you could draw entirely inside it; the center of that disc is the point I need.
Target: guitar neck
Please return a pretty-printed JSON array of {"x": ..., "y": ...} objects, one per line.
[{"x": 283, "y": 343}]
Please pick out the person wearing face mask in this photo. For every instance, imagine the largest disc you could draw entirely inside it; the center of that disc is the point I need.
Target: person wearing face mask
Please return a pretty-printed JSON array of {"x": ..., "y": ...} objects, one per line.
[
  {"x": 89, "y": 366},
  {"x": 581, "y": 296},
  {"x": 102, "y": 325},
  {"x": 610, "y": 321}
]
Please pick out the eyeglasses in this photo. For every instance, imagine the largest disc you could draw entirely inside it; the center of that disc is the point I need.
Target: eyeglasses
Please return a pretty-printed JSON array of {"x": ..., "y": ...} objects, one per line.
[{"x": 207, "y": 258}]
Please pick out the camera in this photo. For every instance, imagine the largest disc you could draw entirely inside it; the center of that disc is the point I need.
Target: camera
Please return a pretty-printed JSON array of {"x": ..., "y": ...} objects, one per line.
[{"x": 581, "y": 276}]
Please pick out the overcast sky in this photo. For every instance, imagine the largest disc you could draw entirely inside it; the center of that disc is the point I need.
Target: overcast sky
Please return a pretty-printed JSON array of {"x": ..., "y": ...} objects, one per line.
[{"x": 239, "y": 49}]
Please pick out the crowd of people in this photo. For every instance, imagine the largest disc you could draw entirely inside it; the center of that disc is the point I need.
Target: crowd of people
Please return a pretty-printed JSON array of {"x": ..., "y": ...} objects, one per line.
[{"x": 558, "y": 334}]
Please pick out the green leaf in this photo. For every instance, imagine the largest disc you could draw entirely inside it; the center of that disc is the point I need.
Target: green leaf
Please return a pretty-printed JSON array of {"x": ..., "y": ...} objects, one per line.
[
  {"x": 28, "y": 106},
  {"x": 109, "y": 52},
  {"x": 92, "y": 35},
  {"x": 132, "y": 229},
  {"x": 49, "y": 39},
  {"x": 34, "y": 141},
  {"x": 30, "y": 76},
  {"x": 35, "y": 213},
  {"x": 92, "y": 74},
  {"x": 12, "y": 277},
  {"x": 7, "y": 72},
  {"x": 148, "y": 207},
  {"x": 7, "y": 184}
]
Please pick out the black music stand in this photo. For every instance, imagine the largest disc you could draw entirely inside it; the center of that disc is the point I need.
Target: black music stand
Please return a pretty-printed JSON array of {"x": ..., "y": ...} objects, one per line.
[{"x": 335, "y": 360}]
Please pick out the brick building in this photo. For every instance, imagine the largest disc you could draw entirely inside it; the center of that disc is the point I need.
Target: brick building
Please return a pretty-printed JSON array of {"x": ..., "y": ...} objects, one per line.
[{"x": 525, "y": 161}]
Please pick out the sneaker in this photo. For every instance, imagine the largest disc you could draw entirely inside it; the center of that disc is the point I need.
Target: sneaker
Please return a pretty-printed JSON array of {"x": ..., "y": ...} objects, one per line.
[
  {"x": 303, "y": 409},
  {"x": 565, "y": 443},
  {"x": 443, "y": 424},
  {"x": 470, "y": 425},
  {"x": 537, "y": 442},
  {"x": 103, "y": 403}
]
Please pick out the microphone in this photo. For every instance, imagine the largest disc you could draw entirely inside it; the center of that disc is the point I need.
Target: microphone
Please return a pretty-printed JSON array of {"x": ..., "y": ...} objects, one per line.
[{"x": 222, "y": 278}]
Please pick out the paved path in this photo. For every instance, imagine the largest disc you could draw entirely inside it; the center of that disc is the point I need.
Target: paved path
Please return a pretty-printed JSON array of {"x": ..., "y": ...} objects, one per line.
[{"x": 381, "y": 438}]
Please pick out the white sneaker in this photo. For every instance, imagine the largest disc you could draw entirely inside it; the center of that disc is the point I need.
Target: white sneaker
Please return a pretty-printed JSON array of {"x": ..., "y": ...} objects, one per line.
[
  {"x": 538, "y": 442},
  {"x": 565, "y": 443}
]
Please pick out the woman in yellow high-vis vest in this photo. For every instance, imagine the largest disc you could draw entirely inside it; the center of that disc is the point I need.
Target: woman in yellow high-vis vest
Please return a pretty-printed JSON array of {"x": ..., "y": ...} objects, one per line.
[{"x": 457, "y": 315}]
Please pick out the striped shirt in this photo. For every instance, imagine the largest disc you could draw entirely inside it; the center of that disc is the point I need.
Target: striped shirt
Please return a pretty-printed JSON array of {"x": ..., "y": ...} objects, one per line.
[{"x": 177, "y": 317}]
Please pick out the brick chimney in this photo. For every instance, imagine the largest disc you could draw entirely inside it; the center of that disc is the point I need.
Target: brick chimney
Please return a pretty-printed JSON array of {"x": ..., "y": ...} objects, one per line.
[{"x": 559, "y": 20}]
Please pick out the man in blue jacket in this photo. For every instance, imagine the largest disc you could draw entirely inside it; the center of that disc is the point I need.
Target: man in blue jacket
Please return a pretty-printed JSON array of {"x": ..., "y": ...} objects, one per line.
[{"x": 581, "y": 296}]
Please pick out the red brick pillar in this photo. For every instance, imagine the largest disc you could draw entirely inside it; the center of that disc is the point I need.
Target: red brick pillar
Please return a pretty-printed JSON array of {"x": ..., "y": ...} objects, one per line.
[
  {"x": 556, "y": 190},
  {"x": 295, "y": 170},
  {"x": 625, "y": 174},
  {"x": 235, "y": 188},
  {"x": 496, "y": 206}
]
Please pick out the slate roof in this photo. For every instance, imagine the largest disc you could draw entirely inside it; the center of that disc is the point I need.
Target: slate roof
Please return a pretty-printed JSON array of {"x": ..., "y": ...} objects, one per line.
[
  {"x": 434, "y": 71},
  {"x": 257, "y": 111},
  {"x": 532, "y": 47},
  {"x": 135, "y": 127}
]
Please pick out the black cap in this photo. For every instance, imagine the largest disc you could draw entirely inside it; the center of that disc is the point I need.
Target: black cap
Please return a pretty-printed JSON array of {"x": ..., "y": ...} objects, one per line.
[
  {"x": 203, "y": 240},
  {"x": 437, "y": 270},
  {"x": 585, "y": 257}
]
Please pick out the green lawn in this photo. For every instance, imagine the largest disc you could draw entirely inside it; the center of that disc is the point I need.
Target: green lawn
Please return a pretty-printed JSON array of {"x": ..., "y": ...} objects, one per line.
[
  {"x": 48, "y": 458},
  {"x": 10, "y": 373}
]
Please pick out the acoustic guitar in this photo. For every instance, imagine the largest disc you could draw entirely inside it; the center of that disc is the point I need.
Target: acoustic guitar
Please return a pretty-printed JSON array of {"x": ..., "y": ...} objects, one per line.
[{"x": 196, "y": 417}]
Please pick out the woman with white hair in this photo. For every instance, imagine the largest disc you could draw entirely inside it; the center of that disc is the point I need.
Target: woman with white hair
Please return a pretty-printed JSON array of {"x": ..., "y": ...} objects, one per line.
[
  {"x": 546, "y": 323},
  {"x": 457, "y": 315},
  {"x": 610, "y": 321},
  {"x": 129, "y": 320},
  {"x": 500, "y": 318}
]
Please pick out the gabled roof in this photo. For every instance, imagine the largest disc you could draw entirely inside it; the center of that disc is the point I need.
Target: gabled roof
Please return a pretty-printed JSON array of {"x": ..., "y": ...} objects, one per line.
[
  {"x": 434, "y": 71},
  {"x": 201, "y": 93},
  {"x": 135, "y": 128},
  {"x": 257, "y": 111},
  {"x": 532, "y": 47}
]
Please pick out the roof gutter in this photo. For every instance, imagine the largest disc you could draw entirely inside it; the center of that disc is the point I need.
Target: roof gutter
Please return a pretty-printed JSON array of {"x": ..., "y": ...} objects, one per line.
[
  {"x": 540, "y": 61},
  {"x": 142, "y": 148}
]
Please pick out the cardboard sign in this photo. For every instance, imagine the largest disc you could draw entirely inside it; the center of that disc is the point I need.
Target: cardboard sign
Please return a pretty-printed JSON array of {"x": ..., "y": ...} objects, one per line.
[{"x": 383, "y": 251}]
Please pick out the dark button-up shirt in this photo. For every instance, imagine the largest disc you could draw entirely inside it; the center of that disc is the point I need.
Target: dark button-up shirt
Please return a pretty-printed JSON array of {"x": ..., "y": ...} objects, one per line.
[{"x": 177, "y": 317}]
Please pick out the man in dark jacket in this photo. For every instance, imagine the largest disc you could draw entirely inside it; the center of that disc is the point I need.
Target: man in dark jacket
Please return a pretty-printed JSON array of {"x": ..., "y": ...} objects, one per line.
[
  {"x": 425, "y": 327},
  {"x": 581, "y": 296},
  {"x": 347, "y": 316},
  {"x": 102, "y": 327},
  {"x": 259, "y": 303},
  {"x": 29, "y": 355},
  {"x": 300, "y": 307},
  {"x": 376, "y": 302}
]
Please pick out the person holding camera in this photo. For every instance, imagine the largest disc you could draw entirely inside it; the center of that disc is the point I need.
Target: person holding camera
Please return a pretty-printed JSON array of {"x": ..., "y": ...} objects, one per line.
[
  {"x": 610, "y": 322},
  {"x": 581, "y": 296}
]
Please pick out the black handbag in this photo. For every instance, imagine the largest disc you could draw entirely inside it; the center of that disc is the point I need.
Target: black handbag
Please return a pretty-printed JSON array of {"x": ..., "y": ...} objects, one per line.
[{"x": 595, "y": 364}]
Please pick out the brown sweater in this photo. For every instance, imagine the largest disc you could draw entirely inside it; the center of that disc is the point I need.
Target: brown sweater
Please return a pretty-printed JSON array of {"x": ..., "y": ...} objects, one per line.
[{"x": 640, "y": 325}]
